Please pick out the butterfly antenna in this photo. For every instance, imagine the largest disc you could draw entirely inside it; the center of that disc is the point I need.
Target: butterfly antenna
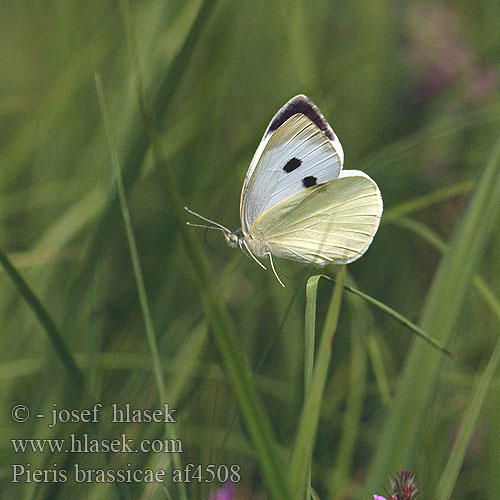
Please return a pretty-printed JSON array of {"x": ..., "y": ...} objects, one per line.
[
  {"x": 206, "y": 227},
  {"x": 274, "y": 270},
  {"x": 218, "y": 226}
]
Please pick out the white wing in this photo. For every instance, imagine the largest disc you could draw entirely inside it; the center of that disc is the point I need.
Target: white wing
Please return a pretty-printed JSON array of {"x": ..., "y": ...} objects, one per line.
[
  {"x": 334, "y": 222},
  {"x": 299, "y": 149}
]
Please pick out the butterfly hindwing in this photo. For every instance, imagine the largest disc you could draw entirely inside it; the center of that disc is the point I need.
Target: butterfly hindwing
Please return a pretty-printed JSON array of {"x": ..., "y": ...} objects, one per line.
[
  {"x": 299, "y": 150},
  {"x": 333, "y": 222}
]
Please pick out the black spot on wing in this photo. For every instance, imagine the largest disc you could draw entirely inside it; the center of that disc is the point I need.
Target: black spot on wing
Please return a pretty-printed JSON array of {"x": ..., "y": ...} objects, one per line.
[
  {"x": 302, "y": 104},
  {"x": 309, "y": 181},
  {"x": 292, "y": 164}
]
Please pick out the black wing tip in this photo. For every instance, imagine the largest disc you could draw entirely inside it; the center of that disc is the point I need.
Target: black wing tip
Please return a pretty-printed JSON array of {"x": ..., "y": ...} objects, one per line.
[{"x": 303, "y": 105}]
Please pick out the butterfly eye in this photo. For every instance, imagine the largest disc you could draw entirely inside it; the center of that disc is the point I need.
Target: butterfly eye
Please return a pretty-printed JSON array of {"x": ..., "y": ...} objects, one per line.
[{"x": 233, "y": 238}]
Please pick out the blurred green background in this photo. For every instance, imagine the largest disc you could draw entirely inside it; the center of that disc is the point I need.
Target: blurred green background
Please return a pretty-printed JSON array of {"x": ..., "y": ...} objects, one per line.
[{"x": 411, "y": 89}]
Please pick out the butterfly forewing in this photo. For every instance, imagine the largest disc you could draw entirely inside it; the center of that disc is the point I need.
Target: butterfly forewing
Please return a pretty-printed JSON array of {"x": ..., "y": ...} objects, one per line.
[
  {"x": 298, "y": 150},
  {"x": 332, "y": 222}
]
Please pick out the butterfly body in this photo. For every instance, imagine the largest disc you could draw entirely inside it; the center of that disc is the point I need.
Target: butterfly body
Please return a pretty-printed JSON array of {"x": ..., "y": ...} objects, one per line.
[{"x": 296, "y": 202}]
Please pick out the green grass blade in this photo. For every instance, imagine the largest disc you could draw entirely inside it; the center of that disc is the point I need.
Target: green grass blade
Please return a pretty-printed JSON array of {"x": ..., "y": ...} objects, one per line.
[
  {"x": 141, "y": 288},
  {"x": 310, "y": 329},
  {"x": 421, "y": 230},
  {"x": 351, "y": 424},
  {"x": 428, "y": 200},
  {"x": 377, "y": 364},
  {"x": 309, "y": 342},
  {"x": 308, "y": 424},
  {"x": 439, "y": 318},
  {"x": 46, "y": 321},
  {"x": 420, "y": 332},
  {"x": 457, "y": 455}
]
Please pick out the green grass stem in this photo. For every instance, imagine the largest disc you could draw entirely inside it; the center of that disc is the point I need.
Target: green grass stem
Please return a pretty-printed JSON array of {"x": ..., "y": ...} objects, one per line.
[{"x": 300, "y": 463}]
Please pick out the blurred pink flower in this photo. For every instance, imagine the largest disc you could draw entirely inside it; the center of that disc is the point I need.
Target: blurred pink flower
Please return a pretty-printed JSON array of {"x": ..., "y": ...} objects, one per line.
[
  {"x": 439, "y": 54},
  {"x": 225, "y": 492}
]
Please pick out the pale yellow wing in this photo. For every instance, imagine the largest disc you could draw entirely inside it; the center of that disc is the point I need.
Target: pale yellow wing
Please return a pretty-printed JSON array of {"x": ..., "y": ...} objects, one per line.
[{"x": 333, "y": 222}]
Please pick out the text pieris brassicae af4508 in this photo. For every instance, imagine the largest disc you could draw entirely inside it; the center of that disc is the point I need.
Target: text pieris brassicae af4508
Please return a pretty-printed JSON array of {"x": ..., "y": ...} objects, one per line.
[{"x": 297, "y": 202}]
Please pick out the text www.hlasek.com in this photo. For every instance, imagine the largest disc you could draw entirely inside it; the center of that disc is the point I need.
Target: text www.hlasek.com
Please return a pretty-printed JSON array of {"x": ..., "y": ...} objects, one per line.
[{"x": 84, "y": 444}]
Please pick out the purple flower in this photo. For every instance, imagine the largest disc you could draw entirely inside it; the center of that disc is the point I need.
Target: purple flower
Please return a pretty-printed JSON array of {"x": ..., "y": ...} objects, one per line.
[
  {"x": 403, "y": 487},
  {"x": 225, "y": 492}
]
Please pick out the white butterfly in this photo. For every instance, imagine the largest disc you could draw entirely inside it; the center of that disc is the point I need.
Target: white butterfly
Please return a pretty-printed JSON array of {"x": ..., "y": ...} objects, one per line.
[{"x": 297, "y": 202}]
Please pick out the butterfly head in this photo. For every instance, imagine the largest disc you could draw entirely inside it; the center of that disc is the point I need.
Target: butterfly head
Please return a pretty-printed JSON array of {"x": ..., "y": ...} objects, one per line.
[{"x": 233, "y": 238}]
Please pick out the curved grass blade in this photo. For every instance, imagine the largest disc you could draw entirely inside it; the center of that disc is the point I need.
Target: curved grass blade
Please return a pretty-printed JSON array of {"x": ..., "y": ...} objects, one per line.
[
  {"x": 46, "y": 321},
  {"x": 410, "y": 325}
]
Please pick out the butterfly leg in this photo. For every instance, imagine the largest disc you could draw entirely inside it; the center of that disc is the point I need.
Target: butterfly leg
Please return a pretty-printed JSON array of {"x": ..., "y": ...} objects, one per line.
[
  {"x": 274, "y": 270},
  {"x": 245, "y": 249}
]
